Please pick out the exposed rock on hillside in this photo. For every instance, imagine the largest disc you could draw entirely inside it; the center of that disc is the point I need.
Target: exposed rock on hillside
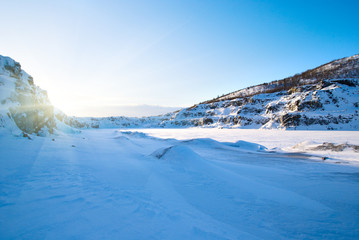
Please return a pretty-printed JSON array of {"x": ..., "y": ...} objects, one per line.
[
  {"x": 24, "y": 106},
  {"x": 326, "y": 97}
]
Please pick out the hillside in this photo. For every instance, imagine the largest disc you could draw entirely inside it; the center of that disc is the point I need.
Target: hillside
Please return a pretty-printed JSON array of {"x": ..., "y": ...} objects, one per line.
[
  {"x": 323, "y": 98},
  {"x": 25, "y": 108},
  {"x": 341, "y": 69}
]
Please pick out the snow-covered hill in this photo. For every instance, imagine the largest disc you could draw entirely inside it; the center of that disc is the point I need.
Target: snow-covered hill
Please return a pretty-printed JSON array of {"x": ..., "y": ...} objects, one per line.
[
  {"x": 328, "y": 104},
  {"x": 326, "y": 97},
  {"x": 25, "y": 108},
  {"x": 322, "y": 98},
  {"x": 341, "y": 69}
]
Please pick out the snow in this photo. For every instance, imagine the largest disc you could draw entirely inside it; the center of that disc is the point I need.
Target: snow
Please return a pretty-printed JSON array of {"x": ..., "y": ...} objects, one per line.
[
  {"x": 268, "y": 137},
  {"x": 322, "y": 106},
  {"x": 194, "y": 183},
  {"x": 24, "y": 107},
  {"x": 339, "y": 66},
  {"x": 177, "y": 184}
]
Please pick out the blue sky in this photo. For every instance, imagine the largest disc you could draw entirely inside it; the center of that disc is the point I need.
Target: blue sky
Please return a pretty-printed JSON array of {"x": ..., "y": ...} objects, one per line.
[{"x": 97, "y": 58}]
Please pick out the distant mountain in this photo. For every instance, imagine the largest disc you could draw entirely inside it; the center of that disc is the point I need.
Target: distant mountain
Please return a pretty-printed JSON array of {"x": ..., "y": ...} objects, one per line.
[{"x": 326, "y": 97}]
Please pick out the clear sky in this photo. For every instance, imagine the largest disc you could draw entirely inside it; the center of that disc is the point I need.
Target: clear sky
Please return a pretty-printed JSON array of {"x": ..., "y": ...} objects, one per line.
[{"x": 99, "y": 58}]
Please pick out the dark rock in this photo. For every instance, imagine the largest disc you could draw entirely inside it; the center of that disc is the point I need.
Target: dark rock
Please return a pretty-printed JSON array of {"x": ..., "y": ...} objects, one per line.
[
  {"x": 310, "y": 105},
  {"x": 290, "y": 120},
  {"x": 205, "y": 121},
  {"x": 26, "y": 135}
]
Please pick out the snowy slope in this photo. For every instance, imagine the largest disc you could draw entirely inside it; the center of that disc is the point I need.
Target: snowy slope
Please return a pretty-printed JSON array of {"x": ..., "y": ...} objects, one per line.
[
  {"x": 25, "y": 108},
  {"x": 329, "y": 104},
  {"x": 324, "y": 98},
  {"x": 345, "y": 68}
]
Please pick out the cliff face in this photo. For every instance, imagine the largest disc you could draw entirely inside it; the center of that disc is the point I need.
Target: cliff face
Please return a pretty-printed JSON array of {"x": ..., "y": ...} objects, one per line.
[{"x": 24, "y": 106}]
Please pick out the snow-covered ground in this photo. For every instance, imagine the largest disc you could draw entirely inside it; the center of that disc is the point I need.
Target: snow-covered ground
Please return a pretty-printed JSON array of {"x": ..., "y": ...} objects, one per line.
[
  {"x": 273, "y": 139},
  {"x": 199, "y": 184}
]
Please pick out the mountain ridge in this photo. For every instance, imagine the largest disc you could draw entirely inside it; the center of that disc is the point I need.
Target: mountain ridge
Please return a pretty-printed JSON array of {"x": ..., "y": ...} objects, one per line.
[{"x": 309, "y": 76}]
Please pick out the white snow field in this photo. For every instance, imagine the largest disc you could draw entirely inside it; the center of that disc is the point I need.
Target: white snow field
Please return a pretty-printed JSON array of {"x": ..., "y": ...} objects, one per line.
[{"x": 199, "y": 184}]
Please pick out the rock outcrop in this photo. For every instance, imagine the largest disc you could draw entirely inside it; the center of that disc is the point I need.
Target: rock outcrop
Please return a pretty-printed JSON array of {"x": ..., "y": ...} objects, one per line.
[
  {"x": 326, "y": 97},
  {"x": 24, "y": 106}
]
